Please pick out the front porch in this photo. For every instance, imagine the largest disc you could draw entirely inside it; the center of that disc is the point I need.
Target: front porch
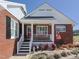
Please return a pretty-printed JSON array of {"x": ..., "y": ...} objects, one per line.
[
  {"x": 41, "y": 32},
  {"x": 34, "y": 34}
]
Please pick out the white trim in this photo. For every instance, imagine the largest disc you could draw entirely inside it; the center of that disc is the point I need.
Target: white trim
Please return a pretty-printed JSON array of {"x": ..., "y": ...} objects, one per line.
[
  {"x": 41, "y": 26},
  {"x": 14, "y": 6},
  {"x": 17, "y": 30},
  {"x": 14, "y": 28},
  {"x": 36, "y": 43},
  {"x": 52, "y": 36},
  {"x": 62, "y": 28},
  {"x": 22, "y": 29},
  {"x": 31, "y": 38}
]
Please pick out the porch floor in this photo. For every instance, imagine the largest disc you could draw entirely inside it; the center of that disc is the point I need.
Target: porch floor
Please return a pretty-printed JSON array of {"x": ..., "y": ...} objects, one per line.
[
  {"x": 42, "y": 40},
  {"x": 38, "y": 40}
]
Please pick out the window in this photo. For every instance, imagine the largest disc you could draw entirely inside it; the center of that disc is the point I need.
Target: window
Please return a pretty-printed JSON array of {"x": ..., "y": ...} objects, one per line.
[
  {"x": 13, "y": 29},
  {"x": 60, "y": 28},
  {"x": 42, "y": 30}
]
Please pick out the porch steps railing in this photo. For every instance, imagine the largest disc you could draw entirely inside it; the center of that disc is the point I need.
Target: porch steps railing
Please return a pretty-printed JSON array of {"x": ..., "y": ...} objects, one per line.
[
  {"x": 19, "y": 43},
  {"x": 23, "y": 48}
]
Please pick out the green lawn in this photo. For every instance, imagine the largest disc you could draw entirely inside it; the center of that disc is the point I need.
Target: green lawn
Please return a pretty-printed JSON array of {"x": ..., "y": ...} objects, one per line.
[{"x": 76, "y": 38}]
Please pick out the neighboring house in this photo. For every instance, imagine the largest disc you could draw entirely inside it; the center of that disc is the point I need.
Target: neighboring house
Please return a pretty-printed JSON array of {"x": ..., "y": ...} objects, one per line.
[
  {"x": 19, "y": 31},
  {"x": 76, "y": 32},
  {"x": 9, "y": 22}
]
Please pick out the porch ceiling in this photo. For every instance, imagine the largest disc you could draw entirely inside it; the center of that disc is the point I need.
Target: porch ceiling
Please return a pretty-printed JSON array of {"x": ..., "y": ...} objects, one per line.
[{"x": 38, "y": 21}]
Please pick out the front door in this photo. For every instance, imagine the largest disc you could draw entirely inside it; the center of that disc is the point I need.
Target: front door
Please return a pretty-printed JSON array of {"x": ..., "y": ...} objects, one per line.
[{"x": 28, "y": 32}]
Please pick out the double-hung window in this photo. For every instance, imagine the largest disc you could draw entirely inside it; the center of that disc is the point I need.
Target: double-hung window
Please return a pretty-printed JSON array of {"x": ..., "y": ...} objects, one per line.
[
  {"x": 13, "y": 29},
  {"x": 60, "y": 28},
  {"x": 41, "y": 30}
]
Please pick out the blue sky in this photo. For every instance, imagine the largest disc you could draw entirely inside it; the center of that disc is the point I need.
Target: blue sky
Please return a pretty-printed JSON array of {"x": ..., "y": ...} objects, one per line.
[{"x": 69, "y": 7}]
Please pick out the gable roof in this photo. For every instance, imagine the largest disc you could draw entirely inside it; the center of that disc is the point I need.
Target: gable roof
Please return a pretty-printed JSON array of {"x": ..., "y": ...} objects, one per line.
[
  {"x": 47, "y": 10},
  {"x": 6, "y": 13},
  {"x": 43, "y": 10},
  {"x": 16, "y": 9}
]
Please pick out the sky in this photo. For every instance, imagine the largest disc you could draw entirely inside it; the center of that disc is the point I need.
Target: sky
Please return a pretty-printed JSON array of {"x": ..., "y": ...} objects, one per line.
[{"x": 70, "y": 8}]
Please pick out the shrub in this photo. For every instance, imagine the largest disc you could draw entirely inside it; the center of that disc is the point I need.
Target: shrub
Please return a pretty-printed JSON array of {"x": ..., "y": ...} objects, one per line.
[
  {"x": 39, "y": 56},
  {"x": 78, "y": 50},
  {"x": 63, "y": 54},
  {"x": 68, "y": 53},
  {"x": 57, "y": 56},
  {"x": 74, "y": 52},
  {"x": 70, "y": 45},
  {"x": 51, "y": 57}
]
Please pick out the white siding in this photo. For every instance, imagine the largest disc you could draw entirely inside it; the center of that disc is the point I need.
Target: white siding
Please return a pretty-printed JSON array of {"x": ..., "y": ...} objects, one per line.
[
  {"x": 17, "y": 12},
  {"x": 50, "y": 11}
]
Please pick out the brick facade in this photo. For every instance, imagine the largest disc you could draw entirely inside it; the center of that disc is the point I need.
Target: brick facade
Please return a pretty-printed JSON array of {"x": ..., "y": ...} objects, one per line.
[
  {"x": 6, "y": 45},
  {"x": 66, "y": 36}
]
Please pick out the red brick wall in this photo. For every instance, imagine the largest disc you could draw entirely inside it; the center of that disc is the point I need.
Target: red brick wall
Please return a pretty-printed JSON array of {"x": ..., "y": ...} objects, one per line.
[
  {"x": 6, "y": 45},
  {"x": 68, "y": 35}
]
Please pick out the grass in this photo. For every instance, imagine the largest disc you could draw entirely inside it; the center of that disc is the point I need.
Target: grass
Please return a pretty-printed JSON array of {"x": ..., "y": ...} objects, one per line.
[{"x": 76, "y": 38}]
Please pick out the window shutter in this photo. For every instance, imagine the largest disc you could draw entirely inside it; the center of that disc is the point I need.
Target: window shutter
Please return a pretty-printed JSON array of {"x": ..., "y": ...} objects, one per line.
[{"x": 8, "y": 27}]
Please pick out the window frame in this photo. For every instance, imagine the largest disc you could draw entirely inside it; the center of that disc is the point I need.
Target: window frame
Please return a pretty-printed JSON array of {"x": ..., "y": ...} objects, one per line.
[
  {"x": 15, "y": 29},
  {"x": 38, "y": 31},
  {"x": 61, "y": 26}
]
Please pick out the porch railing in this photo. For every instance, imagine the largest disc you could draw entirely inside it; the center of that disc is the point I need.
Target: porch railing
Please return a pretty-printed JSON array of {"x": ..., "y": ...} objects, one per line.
[
  {"x": 38, "y": 38},
  {"x": 19, "y": 43},
  {"x": 30, "y": 45}
]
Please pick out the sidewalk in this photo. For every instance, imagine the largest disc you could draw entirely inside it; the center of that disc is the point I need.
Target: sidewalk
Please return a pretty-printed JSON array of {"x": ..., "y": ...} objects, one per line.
[{"x": 18, "y": 57}]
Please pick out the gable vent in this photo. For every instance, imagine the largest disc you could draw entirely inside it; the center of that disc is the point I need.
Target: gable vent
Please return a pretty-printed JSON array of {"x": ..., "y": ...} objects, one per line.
[{"x": 45, "y": 9}]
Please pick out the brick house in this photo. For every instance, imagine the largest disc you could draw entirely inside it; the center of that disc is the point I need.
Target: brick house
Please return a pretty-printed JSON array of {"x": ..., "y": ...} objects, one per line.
[{"x": 19, "y": 31}]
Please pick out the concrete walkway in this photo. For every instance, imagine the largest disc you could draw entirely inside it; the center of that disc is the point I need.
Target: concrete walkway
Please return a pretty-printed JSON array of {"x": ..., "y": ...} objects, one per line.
[
  {"x": 17, "y": 57},
  {"x": 24, "y": 57},
  {"x": 47, "y": 52},
  {"x": 70, "y": 57}
]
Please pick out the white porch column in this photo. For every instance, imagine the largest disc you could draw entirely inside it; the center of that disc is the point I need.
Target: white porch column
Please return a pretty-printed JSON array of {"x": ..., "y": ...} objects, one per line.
[
  {"x": 52, "y": 33},
  {"x": 23, "y": 30},
  {"x": 31, "y": 37},
  {"x": 18, "y": 29},
  {"x": 31, "y": 32}
]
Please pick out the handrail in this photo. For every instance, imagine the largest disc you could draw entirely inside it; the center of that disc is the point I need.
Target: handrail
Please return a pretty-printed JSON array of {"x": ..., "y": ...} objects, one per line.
[
  {"x": 30, "y": 45},
  {"x": 31, "y": 41},
  {"x": 47, "y": 35},
  {"x": 20, "y": 43}
]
